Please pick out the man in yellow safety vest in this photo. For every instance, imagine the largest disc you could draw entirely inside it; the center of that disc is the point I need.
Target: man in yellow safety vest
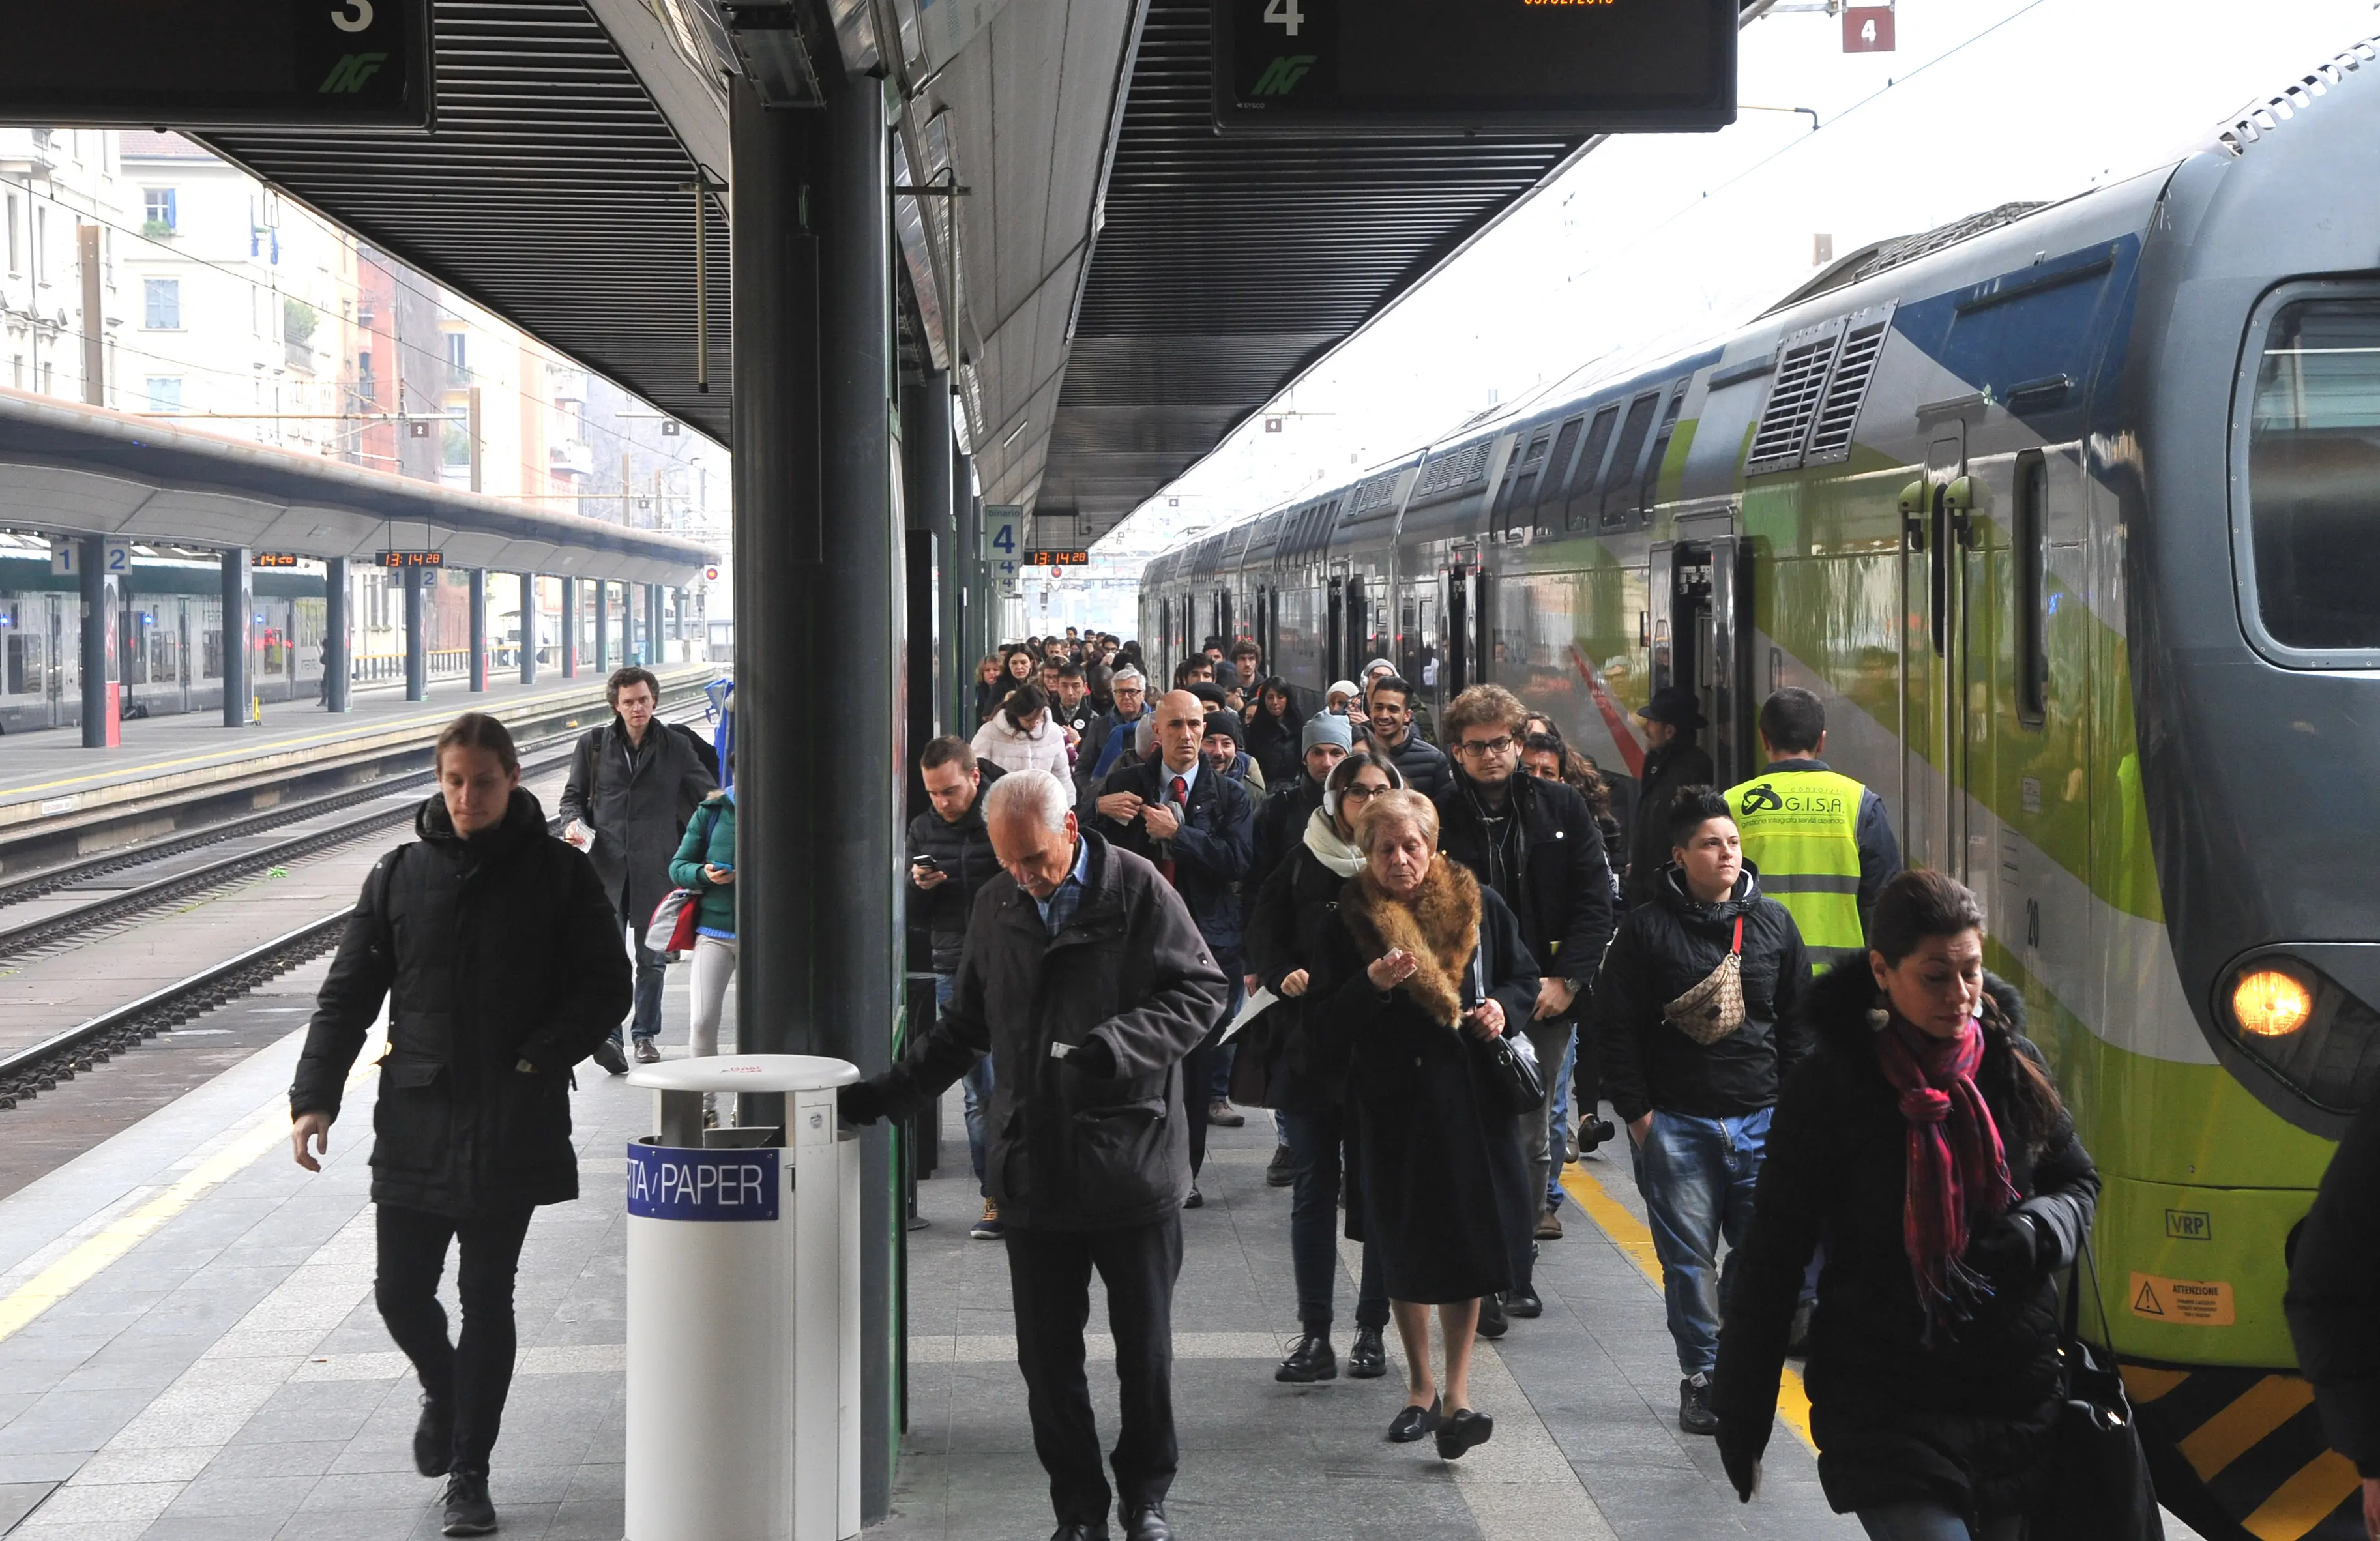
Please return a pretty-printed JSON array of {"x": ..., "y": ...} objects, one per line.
[{"x": 1822, "y": 842}]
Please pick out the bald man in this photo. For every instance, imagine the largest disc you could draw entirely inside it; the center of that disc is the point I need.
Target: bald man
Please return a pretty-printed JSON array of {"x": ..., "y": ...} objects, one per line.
[{"x": 1198, "y": 828}]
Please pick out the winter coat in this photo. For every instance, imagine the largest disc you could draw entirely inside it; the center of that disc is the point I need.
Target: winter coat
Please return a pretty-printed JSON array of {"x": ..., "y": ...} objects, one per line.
[
  {"x": 2333, "y": 1305},
  {"x": 1274, "y": 742},
  {"x": 1663, "y": 950},
  {"x": 1293, "y": 909},
  {"x": 1042, "y": 749},
  {"x": 1423, "y": 764},
  {"x": 1275, "y": 832},
  {"x": 638, "y": 802},
  {"x": 1679, "y": 762},
  {"x": 709, "y": 841},
  {"x": 1553, "y": 876},
  {"x": 1965, "y": 1417},
  {"x": 1440, "y": 1178},
  {"x": 963, "y": 850},
  {"x": 1110, "y": 742},
  {"x": 1210, "y": 853},
  {"x": 502, "y": 964},
  {"x": 1064, "y": 1150}
]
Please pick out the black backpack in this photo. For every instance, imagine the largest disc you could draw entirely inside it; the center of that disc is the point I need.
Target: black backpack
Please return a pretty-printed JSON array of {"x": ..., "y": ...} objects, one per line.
[{"x": 704, "y": 750}]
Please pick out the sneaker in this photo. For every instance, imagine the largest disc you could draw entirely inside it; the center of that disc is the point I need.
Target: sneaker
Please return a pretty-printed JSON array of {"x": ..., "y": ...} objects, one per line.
[
  {"x": 609, "y": 1059},
  {"x": 1549, "y": 1227},
  {"x": 1695, "y": 1414},
  {"x": 1281, "y": 1171},
  {"x": 645, "y": 1053},
  {"x": 987, "y": 1229},
  {"x": 433, "y": 1437},
  {"x": 1222, "y": 1115},
  {"x": 468, "y": 1512}
]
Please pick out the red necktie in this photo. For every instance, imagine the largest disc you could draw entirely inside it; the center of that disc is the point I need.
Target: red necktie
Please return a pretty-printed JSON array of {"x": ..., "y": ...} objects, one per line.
[{"x": 1182, "y": 809}]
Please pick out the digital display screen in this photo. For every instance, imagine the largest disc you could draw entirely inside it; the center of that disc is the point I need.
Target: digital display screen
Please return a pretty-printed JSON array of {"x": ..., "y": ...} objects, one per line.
[
  {"x": 214, "y": 63},
  {"x": 1058, "y": 559},
  {"x": 412, "y": 559},
  {"x": 1567, "y": 66},
  {"x": 276, "y": 559}
]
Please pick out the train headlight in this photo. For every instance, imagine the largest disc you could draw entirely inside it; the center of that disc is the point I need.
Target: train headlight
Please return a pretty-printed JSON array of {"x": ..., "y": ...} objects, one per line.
[{"x": 2270, "y": 1003}]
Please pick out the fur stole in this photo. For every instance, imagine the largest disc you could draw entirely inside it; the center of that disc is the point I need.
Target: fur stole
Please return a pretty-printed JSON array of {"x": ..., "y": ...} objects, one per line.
[{"x": 1439, "y": 925}]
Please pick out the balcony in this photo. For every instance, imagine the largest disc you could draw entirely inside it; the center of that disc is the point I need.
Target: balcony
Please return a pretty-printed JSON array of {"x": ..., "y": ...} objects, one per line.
[
  {"x": 300, "y": 355},
  {"x": 570, "y": 457}
]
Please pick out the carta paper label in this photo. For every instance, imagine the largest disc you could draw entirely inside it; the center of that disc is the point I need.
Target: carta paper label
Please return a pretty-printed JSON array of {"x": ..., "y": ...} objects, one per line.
[{"x": 2185, "y": 1302}]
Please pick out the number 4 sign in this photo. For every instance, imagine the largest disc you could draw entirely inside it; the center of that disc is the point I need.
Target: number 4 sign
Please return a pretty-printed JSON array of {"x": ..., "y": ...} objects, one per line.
[{"x": 1867, "y": 29}]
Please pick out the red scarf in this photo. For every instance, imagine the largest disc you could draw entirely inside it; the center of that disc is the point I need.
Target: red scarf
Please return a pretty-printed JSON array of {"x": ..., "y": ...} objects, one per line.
[{"x": 1958, "y": 1169}]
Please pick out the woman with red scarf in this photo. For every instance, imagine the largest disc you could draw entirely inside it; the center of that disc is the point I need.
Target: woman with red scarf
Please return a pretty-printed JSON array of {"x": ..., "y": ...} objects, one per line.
[{"x": 1925, "y": 1143}]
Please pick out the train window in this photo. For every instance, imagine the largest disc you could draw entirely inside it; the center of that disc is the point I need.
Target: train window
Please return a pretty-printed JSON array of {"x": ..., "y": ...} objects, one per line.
[
  {"x": 2029, "y": 536},
  {"x": 1590, "y": 465},
  {"x": 1519, "y": 497},
  {"x": 1619, "y": 485},
  {"x": 1650, "y": 493},
  {"x": 2313, "y": 476},
  {"x": 1549, "y": 484}
]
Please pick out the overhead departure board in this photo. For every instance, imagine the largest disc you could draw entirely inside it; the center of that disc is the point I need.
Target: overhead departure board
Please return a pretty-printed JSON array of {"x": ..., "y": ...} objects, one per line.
[
  {"x": 215, "y": 63},
  {"x": 1577, "y": 67}
]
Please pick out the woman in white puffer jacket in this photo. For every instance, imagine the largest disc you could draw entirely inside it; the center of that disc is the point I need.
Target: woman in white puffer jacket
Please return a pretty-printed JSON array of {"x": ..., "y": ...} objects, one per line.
[{"x": 1020, "y": 737}]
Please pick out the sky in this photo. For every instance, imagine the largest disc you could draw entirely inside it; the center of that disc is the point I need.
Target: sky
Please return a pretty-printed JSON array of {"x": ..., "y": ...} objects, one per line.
[{"x": 1654, "y": 243}]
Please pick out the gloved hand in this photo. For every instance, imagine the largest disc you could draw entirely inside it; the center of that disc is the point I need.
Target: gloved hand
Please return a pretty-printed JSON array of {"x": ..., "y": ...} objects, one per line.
[
  {"x": 2007, "y": 1251},
  {"x": 1740, "y": 1448},
  {"x": 860, "y": 1102},
  {"x": 1093, "y": 1058}
]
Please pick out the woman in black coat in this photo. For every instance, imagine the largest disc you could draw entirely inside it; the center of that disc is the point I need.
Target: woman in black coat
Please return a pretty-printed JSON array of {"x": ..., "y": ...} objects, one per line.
[
  {"x": 1274, "y": 725},
  {"x": 501, "y": 961},
  {"x": 1420, "y": 972},
  {"x": 1924, "y": 1141}
]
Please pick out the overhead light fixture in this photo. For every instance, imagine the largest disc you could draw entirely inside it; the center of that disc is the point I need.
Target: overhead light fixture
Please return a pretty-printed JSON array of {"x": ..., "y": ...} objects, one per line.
[{"x": 1022, "y": 423}]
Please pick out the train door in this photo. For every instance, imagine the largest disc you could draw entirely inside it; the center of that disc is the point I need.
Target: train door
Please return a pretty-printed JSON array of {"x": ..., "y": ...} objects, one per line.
[
  {"x": 1466, "y": 628},
  {"x": 1334, "y": 662},
  {"x": 1701, "y": 618},
  {"x": 1945, "y": 660}
]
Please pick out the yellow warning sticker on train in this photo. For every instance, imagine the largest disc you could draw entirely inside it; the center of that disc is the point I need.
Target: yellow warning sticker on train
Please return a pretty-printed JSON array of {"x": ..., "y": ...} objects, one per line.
[{"x": 2185, "y": 1302}]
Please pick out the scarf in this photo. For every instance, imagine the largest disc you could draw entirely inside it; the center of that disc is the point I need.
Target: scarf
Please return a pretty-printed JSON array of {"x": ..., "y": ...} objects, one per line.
[
  {"x": 1439, "y": 924},
  {"x": 1958, "y": 1169},
  {"x": 1339, "y": 855}
]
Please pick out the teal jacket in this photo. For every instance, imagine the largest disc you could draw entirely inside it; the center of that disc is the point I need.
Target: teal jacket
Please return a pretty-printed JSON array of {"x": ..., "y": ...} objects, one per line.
[{"x": 709, "y": 841}]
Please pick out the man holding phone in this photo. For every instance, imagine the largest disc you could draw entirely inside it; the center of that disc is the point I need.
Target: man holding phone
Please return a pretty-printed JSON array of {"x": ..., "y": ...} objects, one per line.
[{"x": 949, "y": 860}]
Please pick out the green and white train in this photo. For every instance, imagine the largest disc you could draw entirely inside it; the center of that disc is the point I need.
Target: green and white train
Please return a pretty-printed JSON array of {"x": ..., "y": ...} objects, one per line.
[{"x": 2072, "y": 511}]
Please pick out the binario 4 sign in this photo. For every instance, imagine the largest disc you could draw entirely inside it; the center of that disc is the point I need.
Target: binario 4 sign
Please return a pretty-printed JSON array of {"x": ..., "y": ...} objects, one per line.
[{"x": 672, "y": 1183}]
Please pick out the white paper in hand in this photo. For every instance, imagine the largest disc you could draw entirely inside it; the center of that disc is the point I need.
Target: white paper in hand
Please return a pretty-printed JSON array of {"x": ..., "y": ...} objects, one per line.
[
  {"x": 578, "y": 836},
  {"x": 1255, "y": 1004}
]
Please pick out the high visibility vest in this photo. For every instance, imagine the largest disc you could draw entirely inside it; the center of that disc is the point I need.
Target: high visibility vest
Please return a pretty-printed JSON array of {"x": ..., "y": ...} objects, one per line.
[{"x": 1801, "y": 829}]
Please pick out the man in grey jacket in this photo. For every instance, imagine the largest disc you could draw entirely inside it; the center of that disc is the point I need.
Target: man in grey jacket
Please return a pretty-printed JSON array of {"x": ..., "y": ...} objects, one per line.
[
  {"x": 1085, "y": 980},
  {"x": 634, "y": 784}
]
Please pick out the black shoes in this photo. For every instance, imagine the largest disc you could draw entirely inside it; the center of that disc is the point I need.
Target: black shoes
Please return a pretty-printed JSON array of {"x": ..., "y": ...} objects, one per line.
[
  {"x": 1147, "y": 1523},
  {"x": 1280, "y": 1171},
  {"x": 609, "y": 1059},
  {"x": 433, "y": 1437},
  {"x": 468, "y": 1512},
  {"x": 1493, "y": 1323},
  {"x": 1464, "y": 1430},
  {"x": 1593, "y": 1132},
  {"x": 1310, "y": 1360},
  {"x": 1695, "y": 1414},
  {"x": 1523, "y": 1303},
  {"x": 647, "y": 1053},
  {"x": 1412, "y": 1423},
  {"x": 1079, "y": 1533},
  {"x": 1196, "y": 1199},
  {"x": 1369, "y": 1360}
]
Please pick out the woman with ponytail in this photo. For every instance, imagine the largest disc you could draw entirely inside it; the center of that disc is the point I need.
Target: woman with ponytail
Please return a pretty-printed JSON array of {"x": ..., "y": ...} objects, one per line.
[{"x": 1925, "y": 1143}]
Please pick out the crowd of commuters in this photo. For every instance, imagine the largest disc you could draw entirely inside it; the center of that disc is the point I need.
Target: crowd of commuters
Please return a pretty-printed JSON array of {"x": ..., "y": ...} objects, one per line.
[{"x": 1846, "y": 1147}]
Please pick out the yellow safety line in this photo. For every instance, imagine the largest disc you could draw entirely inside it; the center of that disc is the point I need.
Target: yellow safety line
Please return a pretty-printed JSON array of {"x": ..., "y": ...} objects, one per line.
[
  {"x": 120, "y": 1235},
  {"x": 1630, "y": 1236},
  {"x": 2305, "y": 1500},
  {"x": 2239, "y": 1427},
  {"x": 2145, "y": 1385}
]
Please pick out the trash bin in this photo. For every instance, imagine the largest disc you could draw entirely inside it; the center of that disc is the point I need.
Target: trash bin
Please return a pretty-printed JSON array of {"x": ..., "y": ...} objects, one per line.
[{"x": 743, "y": 1309}]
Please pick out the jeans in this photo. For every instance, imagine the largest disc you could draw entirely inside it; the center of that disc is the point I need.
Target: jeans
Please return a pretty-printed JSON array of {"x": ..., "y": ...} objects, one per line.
[
  {"x": 471, "y": 1375},
  {"x": 1315, "y": 1142},
  {"x": 1049, "y": 1279},
  {"x": 1199, "y": 1069},
  {"x": 1538, "y": 1139},
  {"x": 1697, "y": 1175},
  {"x": 714, "y": 969},
  {"x": 645, "y": 1020},
  {"x": 1557, "y": 1123},
  {"x": 976, "y": 1085},
  {"x": 1924, "y": 1520}
]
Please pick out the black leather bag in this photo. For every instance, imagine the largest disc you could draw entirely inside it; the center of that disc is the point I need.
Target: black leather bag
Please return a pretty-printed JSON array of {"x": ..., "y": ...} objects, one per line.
[
  {"x": 1515, "y": 1080},
  {"x": 2104, "y": 1491}
]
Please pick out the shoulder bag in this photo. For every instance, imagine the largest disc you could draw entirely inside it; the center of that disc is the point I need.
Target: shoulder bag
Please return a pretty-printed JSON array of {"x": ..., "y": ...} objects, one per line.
[
  {"x": 1714, "y": 1007},
  {"x": 2104, "y": 1491},
  {"x": 1516, "y": 1082}
]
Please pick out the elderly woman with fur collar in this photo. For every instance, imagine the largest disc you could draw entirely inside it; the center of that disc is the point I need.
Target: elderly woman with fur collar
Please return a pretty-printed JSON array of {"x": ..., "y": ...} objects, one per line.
[{"x": 1419, "y": 972}]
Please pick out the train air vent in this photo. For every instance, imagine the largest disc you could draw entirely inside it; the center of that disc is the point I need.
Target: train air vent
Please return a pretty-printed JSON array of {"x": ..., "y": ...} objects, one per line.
[
  {"x": 1838, "y": 410},
  {"x": 1793, "y": 399}
]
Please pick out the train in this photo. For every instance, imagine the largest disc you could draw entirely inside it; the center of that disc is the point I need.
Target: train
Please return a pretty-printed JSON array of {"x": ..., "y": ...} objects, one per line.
[{"x": 2071, "y": 510}]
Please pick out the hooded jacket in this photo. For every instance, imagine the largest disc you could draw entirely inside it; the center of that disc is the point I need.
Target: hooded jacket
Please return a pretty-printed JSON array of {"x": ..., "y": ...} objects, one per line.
[
  {"x": 1964, "y": 1415},
  {"x": 1663, "y": 950},
  {"x": 501, "y": 966},
  {"x": 1011, "y": 748},
  {"x": 1552, "y": 871},
  {"x": 963, "y": 850},
  {"x": 637, "y": 798},
  {"x": 709, "y": 841}
]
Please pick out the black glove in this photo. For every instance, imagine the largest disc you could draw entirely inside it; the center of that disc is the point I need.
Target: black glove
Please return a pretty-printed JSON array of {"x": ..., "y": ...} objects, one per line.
[
  {"x": 1739, "y": 1447},
  {"x": 2006, "y": 1253},
  {"x": 1094, "y": 1059},
  {"x": 860, "y": 1102}
]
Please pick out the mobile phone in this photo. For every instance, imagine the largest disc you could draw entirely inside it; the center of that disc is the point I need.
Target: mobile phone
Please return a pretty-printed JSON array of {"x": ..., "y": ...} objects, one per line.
[{"x": 928, "y": 863}]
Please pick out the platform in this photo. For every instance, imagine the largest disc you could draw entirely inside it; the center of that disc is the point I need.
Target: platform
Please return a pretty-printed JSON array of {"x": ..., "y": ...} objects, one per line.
[{"x": 213, "y": 1369}]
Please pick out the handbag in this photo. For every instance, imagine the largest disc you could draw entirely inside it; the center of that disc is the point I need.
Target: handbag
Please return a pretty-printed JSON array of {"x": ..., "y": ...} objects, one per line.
[
  {"x": 1714, "y": 1007},
  {"x": 1515, "y": 1081},
  {"x": 671, "y": 927},
  {"x": 2103, "y": 1490}
]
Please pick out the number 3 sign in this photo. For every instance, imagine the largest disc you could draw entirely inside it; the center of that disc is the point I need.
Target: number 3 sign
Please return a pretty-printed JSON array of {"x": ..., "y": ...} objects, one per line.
[{"x": 1867, "y": 29}]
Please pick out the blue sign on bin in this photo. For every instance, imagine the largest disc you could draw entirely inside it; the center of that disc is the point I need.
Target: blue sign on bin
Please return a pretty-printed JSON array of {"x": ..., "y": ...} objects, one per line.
[{"x": 679, "y": 1184}]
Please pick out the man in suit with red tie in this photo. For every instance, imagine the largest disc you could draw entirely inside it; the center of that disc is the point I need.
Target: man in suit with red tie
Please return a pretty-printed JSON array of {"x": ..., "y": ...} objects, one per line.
[{"x": 1197, "y": 827}]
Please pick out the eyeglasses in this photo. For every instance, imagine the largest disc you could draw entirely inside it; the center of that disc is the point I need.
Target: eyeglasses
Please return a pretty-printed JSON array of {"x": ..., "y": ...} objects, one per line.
[
  {"x": 1484, "y": 746},
  {"x": 1358, "y": 792}
]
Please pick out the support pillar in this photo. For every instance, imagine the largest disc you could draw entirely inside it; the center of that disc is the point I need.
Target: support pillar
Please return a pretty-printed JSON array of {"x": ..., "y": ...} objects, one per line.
[
  {"x": 570, "y": 628},
  {"x": 479, "y": 622},
  {"x": 655, "y": 654},
  {"x": 926, "y": 444},
  {"x": 603, "y": 629},
  {"x": 338, "y": 640},
  {"x": 238, "y": 634},
  {"x": 102, "y": 719},
  {"x": 529, "y": 620},
  {"x": 417, "y": 637}
]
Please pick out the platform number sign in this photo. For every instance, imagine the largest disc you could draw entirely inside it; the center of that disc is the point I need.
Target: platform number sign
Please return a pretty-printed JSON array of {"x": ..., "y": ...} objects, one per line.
[
  {"x": 1867, "y": 29},
  {"x": 1003, "y": 540},
  {"x": 66, "y": 558}
]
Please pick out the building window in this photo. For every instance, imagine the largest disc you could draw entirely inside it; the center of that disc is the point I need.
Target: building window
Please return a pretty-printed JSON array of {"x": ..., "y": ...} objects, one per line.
[
  {"x": 157, "y": 209},
  {"x": 161, "y": 304},
  {"x": 164, "y": 393},
  {"x": 458, "y": 368},
  {"x": 15, "y": 265}
]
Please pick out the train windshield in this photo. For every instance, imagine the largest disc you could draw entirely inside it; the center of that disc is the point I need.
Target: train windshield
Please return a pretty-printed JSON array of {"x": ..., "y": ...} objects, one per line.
[{"x": 2313, "y": 476}]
